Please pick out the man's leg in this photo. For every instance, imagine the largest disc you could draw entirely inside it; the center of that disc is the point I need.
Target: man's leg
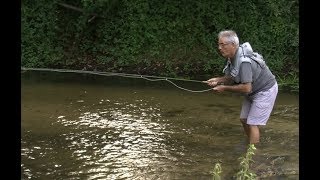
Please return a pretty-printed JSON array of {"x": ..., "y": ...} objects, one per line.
[
  {"x": 260, "y": 111},
  {"x": 252, "y": 131},
  {"x": 254, "y": 135},
  {"x": 245, "y": 127}
]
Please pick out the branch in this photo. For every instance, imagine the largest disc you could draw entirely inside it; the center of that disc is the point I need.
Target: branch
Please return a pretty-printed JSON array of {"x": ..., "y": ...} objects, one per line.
[
  {"x": 94, "y": 15},
  {"x": 71, "y": 7}
]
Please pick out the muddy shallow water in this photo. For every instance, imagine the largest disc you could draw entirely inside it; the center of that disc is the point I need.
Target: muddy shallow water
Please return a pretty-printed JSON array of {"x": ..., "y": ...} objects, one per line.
[{"x": 78, "y": 126}]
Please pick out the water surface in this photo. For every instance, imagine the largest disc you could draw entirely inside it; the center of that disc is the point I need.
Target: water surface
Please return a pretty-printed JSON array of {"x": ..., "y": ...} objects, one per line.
[{"x": 77, "y": 126}]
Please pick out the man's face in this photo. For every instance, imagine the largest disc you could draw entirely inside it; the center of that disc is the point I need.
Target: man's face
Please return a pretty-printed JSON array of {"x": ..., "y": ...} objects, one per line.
[{"x": 226, "y": 48}]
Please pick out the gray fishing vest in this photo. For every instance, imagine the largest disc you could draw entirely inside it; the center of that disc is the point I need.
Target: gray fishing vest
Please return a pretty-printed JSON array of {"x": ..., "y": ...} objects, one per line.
[{"x": 244, "y": 54}]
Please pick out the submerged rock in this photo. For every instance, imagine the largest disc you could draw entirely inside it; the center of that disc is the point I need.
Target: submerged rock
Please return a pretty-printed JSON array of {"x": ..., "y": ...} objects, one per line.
[{"x": 278, "y": 166}]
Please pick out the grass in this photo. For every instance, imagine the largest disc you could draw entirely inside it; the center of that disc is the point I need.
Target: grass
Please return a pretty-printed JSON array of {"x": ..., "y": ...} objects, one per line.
[{"x": 289, "y": 82}]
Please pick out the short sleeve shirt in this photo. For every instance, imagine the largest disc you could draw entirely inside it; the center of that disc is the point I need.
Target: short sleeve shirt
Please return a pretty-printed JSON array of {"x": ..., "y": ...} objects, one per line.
[{"x": 261, "y": 79}]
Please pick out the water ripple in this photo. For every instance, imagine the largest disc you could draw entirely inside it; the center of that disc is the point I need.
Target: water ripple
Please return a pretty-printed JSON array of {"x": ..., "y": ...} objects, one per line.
[{"x": 118, "y": 139}]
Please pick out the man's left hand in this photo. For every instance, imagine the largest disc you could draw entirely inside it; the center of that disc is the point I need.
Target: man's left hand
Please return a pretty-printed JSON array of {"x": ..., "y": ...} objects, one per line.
[{"x": 219, "y": 88}]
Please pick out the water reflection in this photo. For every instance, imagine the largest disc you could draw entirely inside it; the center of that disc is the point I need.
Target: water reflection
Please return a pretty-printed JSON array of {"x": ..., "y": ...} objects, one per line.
[
  {"x": 116, "y": 141},
  {"x": 81, "y": 131}
]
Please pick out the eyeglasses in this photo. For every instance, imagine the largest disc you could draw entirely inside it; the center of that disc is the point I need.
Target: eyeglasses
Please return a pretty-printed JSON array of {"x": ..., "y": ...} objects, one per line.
[{"x": 223, "y": 44}]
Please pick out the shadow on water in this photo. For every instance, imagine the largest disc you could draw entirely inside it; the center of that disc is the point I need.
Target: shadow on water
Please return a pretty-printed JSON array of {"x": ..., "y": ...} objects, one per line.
[{"x": 77, "y": 126}]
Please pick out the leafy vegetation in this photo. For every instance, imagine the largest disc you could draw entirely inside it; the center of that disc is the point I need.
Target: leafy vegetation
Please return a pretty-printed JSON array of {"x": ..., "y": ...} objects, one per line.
[
  {"x": 165, "y": 38},
  {"x": 217, "y": 170},
  {"x": 244, "y": 173}
]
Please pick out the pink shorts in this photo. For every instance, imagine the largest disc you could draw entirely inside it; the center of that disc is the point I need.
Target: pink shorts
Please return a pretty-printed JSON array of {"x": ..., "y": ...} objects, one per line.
[{"x": 257, "y": 108}]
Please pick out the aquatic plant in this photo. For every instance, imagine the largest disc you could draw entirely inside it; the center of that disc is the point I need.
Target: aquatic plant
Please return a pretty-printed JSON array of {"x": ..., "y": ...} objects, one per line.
[
  {"x": 245, "y": 173},
  {"x": 217, "y": 170}
]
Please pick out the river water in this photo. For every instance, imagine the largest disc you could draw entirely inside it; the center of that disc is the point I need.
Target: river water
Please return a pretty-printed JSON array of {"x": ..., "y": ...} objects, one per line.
[{"x": 79, "y": 126}]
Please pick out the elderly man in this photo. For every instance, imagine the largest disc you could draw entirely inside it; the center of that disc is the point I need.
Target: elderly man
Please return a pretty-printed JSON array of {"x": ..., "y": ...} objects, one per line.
[{"x": 247, "y": 73}]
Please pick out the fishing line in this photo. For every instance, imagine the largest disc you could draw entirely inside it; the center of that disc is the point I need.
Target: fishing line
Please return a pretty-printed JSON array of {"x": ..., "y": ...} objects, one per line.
[{"x": 148, "y": 78}]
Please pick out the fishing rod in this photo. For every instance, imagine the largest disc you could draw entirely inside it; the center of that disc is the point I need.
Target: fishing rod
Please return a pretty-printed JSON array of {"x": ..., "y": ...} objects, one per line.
[{"x": 146, "y": 77}]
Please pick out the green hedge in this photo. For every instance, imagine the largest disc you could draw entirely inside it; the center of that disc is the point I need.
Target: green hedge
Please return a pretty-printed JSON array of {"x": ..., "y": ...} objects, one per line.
[{"x": 167, "y": 38}]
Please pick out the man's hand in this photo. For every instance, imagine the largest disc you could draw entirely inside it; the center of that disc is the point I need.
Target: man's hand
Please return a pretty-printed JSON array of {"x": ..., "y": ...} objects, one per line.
[
  {"x": 212, "y": 82},
  {"x": 219, "y": 88}
]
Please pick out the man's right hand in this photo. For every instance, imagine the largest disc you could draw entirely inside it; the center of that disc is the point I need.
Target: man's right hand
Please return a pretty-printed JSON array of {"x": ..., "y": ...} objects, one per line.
[{"x": 212, "y": 82}]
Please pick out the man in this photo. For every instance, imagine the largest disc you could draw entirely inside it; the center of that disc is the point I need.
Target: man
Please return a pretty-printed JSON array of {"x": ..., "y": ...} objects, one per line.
[{"x": 247, "y": 73}]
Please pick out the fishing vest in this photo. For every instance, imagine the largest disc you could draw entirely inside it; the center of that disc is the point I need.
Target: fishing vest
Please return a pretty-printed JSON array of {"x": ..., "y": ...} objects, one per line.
[{"x": 244, "y": 54}]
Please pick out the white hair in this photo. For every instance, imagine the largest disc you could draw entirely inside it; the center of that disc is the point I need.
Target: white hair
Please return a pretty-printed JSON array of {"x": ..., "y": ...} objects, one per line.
[{"x": 230, "y": 35}]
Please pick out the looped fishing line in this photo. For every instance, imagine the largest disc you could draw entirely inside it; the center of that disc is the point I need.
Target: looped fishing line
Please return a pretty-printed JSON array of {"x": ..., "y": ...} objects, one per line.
[{"x": 148, "y": 78}]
